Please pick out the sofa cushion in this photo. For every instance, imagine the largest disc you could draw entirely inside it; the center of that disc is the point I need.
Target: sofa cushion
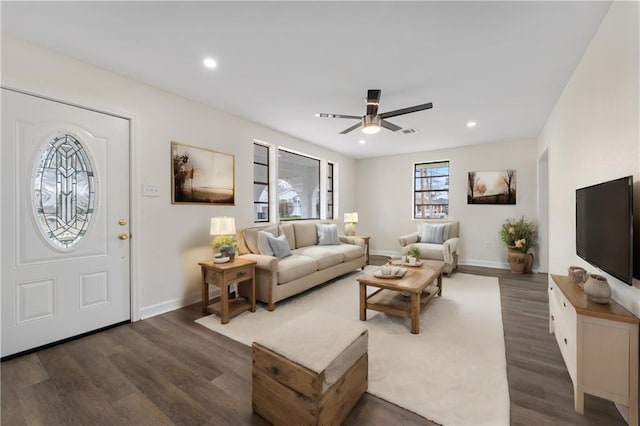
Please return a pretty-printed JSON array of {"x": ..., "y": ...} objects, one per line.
[
  {"x": 327, "y": 234},
  {"x": 306, "y": 234},
  {"x": 322, "y": 254},
  {"x": 294, "y": 267},
  {"x": 287, "y": 229},
  {"x": 349, "y": 251},
  {"x": 429, "y": 251},
  {"x": 251, "y": 236},
  {"x": 263, "y": 243},
  {"x": 280, "y": 246}
]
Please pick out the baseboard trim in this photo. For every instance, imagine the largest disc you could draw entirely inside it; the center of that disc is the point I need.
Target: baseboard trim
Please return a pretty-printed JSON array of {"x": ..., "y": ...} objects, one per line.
[
  {"x": 483, "y": 263},
  {"x": 169, "y": 305}
]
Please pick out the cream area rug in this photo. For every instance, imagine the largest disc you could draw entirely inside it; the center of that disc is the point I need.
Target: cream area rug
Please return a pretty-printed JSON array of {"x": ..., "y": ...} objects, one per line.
[{"x": 453, "y": 372}]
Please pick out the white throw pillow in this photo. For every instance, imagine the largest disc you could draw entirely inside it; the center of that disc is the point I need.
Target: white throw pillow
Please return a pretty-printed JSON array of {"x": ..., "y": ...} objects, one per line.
[
  {"x": 327, "y": 234},
  {"x": 263, "y": 243}
]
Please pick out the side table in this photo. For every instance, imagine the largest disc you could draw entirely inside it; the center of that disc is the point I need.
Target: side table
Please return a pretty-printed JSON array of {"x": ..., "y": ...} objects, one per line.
[
  {"x": 224, "y": 275},
  {"x": 366, "y": 239}
]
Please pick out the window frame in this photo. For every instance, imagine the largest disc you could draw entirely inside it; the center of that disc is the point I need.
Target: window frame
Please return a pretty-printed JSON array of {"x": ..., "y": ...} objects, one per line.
[
  {"x": 262, "y": 184},
  {"x": 331, "y": 190},
  {"x": 428, "y": 214},
  {"x": 280, "y": 177}
]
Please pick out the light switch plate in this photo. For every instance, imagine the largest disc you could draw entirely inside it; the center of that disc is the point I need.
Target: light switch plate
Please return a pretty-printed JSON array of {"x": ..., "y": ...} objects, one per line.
[{"x": 150, "y": 190}]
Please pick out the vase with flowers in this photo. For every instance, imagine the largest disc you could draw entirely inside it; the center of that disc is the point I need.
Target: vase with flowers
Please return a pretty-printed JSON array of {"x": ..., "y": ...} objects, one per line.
[
  {"x": 519, "y": 237},
  {"x": 225, "y": 245}
]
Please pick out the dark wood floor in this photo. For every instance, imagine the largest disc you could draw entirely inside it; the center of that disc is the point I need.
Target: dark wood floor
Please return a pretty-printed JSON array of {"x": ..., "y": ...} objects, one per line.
[{"x": 169, "y": 370}]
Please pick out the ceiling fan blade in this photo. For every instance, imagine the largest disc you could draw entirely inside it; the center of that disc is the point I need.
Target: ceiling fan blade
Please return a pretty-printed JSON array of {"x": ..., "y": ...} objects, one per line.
[
  {"x": 406, "y": 110},
  {"x": 390, "y": 126},
  {"x": 345, "y": 131},
  {"x": 325, "y": 115},
  {"x": 373, "y": 100}
]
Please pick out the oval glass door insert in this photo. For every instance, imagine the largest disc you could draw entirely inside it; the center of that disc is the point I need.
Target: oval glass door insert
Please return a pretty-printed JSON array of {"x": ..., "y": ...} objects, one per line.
[{"x": 64, "y": 194}]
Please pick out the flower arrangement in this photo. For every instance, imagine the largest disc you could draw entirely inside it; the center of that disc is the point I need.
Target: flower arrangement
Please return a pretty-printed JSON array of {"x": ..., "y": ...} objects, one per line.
[
  {"x": 225, "y": 244},
  {"x": 414, "y": 251},
  {"x": 520, "y": 234}
]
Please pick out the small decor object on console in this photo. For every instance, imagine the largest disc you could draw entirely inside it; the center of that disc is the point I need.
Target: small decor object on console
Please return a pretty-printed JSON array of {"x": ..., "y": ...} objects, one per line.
[
  {"x": 578, "y": 274},
  {"x": 597, "y": 289}
]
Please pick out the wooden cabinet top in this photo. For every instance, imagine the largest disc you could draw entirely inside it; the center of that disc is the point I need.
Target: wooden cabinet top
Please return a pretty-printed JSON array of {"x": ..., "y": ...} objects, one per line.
[{"x": 583, "y": 306}]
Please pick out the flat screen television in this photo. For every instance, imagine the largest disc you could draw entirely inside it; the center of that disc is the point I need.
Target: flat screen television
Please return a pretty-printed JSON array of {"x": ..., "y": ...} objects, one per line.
[{"x": 604, "y": 227}]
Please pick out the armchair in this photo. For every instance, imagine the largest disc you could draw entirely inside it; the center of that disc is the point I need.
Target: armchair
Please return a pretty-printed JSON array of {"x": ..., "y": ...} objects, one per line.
[{"x": 436, "y": 240}]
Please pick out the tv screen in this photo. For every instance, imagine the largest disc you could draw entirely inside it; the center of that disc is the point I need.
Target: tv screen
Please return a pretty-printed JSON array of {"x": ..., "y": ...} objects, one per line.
[{"x": 604, "y": 227}]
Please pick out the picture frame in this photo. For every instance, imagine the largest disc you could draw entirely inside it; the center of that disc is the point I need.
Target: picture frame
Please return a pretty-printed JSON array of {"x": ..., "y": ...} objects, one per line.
[
  {"x": 492, "y": 187},
  {"x": 201, "y": 176}
]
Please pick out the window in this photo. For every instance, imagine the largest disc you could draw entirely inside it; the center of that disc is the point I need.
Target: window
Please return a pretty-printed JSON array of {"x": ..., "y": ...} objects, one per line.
[
  {"x": 431, "y": 190},
  {"x": 298, "y": 181},
  {"x": 330, "y": 181},
  {"x": 260, "y": 183},
  {"x": 64, "y": 194}
]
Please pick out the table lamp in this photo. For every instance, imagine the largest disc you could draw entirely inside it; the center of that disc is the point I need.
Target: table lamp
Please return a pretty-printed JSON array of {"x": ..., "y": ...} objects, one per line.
[
  {"x": 224, "y": 230},
  {"x": 350, "y": 220}
]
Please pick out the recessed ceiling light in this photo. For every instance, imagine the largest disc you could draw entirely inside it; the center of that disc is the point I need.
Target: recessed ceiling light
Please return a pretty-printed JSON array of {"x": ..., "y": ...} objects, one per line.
[
  {"x": 210, "y": 63},
  {"x": 362, "y": 141},
  {"x": 471, "y": 124}
]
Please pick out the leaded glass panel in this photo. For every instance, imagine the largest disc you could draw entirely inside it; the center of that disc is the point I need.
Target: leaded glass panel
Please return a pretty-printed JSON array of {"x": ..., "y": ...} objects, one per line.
[{"x": 64, "y": 194}]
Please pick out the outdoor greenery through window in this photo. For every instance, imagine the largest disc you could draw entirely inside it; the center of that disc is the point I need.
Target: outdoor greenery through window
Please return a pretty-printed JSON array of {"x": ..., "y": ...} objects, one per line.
[
  {"x": 431, "y": 190},
  {"x": 260, "y": 183},
  {"x": 298, "y": 186},
  {"x": 330, "y": 181}
]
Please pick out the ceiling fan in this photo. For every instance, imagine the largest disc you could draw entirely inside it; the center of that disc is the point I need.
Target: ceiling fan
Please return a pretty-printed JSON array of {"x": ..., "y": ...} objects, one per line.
[{"x": 372, "y": 122}]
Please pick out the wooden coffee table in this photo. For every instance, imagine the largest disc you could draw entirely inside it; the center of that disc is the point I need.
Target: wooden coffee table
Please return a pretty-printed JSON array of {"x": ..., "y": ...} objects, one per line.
[{"x": 389, "y": 298}]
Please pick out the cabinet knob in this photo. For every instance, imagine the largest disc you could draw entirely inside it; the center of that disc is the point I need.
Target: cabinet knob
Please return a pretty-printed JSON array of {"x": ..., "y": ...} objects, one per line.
[
  {"x": 241, "y": 274},
  {"x": 564, "y": 304},
  {"x": 565, "y": 341},
  {"x": 552, "y": 318},
  {"x": 551, "y": 288}
]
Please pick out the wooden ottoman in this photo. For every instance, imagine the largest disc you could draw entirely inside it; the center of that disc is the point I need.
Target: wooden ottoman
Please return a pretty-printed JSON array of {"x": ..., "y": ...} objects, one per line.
[{"x": 311, "y": 371}]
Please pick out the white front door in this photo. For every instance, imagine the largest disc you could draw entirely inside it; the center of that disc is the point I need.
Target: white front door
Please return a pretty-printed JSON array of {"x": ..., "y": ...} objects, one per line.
[{"x": 65, "y": 221}]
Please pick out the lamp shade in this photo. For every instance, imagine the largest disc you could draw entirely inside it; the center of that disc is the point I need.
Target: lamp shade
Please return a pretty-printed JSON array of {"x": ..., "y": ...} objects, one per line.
[
  {"x": 351, "y": 217},
  {"x": 222, "y": 226}
]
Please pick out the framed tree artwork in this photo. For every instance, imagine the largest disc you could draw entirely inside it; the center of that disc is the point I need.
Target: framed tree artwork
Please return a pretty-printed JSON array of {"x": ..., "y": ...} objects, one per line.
[
  {"x": 201, "y": 176},
  {"x": 495, "y": 187}
]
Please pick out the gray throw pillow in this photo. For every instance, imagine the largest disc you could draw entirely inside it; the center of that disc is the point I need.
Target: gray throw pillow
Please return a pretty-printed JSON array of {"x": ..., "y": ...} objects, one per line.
[
  {"x": 327, "y": 234},
  {"x": 263, "y": 243},
  {"x": 280, "y": 246},
  {"x": 433, "y": 234}
]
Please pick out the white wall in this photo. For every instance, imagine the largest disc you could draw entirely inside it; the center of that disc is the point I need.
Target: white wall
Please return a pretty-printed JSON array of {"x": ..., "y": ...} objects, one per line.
[
  {"x": 170, "y": 240},
  {"x": 593, "y": 135},
  {"x": 384, "y": 189}
]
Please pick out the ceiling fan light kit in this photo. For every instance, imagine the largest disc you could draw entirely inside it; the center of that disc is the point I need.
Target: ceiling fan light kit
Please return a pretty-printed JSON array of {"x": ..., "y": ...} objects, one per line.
[{"x": 372, "y": 122}]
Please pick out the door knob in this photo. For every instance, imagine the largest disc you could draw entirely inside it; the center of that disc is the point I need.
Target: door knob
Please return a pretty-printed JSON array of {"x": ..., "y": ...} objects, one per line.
[
  {"x": 123, "y": 235},
  {"x": 122, "y": 222}
]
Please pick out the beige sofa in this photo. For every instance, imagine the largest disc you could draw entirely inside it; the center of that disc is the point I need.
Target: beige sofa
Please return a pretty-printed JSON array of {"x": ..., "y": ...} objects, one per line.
[
  {"x": 308, "y": 265},
  {"x": 447, "y": 250}
]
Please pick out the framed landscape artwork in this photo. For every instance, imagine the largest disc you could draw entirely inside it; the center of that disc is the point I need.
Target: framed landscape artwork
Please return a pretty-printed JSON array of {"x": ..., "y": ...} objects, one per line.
[
  {"x": 496, "y": 187},
  {"x": 201, "y": 176}
]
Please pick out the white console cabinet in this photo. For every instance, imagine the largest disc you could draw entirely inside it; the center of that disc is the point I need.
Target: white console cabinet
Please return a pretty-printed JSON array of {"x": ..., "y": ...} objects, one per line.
[{"x": 599, "y": 344}]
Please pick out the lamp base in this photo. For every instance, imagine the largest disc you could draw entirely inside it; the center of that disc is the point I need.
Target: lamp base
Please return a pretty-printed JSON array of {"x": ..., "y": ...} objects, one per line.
[{"x": 349, "y": 229}]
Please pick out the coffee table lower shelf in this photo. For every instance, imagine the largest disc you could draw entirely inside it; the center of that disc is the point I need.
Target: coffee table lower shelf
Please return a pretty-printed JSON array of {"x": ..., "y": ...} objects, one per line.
[{"x": 395, "y": 303}]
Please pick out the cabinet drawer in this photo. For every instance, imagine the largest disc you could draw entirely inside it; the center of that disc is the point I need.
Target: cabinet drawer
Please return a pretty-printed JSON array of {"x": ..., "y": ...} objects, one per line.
[{"x": 238, "y": 274}]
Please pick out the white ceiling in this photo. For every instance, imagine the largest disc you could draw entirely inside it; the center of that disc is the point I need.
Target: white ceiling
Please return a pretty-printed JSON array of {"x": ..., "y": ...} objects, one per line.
[{"x": 502, "y": 64}]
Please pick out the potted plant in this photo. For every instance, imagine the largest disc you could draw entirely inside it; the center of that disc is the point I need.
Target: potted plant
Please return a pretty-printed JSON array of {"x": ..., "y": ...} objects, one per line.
[
  {"x": 413, "y": 251},
  {"x": 519, "y": 237},
  {"x": 225, "y": 245}
]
